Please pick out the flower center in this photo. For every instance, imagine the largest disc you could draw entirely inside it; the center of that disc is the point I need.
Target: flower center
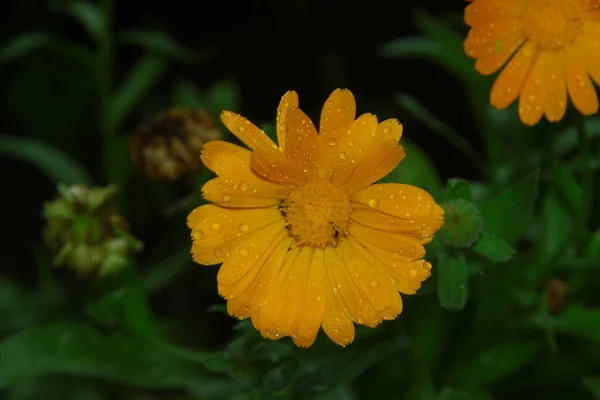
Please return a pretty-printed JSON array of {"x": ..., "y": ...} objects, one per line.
[
  {"x": 551, "y": 23},
  {"x": 317, "y": 214}
]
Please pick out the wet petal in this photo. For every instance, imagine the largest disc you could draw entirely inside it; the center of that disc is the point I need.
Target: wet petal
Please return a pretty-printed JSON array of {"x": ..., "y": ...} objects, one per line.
[
  {"x": 217, "y": 231},
  {"x": 377, "y": 163},
  {"x": 487, "y": 11},
  {"x": 313, "y": 308},
  {"x": 246, "y": 131},
  {"x": 556, "y": 102},
  {"x": 250, "y": 291},
  {"x": 406, "y": 248},
  {"x": 509, "y": 83},
  {"x": 535, "y": 91},
  {"x": 495, "y": 57},
  {"x": 290, "y": 99},
  {"x": 390, "y": 129},
  {"x": 301, "y": 143},
  {"x": 273, "y": 166},
  {"x": 580, "y": 87}
]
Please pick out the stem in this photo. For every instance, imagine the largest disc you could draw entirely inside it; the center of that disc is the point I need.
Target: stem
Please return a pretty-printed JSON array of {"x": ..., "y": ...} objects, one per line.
[
  {"x": 587, "y": 177},
  {"x": 105, "y": 83}
]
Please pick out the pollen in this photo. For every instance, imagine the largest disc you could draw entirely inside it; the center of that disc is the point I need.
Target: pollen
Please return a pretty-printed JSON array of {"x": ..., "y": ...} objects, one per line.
[
  {"x": 551, "y": 24},
  {"x": 317, "y": 214}
]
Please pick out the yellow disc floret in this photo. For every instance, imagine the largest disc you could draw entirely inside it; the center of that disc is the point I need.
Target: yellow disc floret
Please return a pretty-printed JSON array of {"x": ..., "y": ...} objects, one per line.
[
  {"x": 551, "y": 24},
  {"x": 317, "y": 214}
]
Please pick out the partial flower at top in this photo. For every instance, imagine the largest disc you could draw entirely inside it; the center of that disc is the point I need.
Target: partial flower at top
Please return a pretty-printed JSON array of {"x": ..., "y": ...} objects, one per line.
[
  {"x": 85, "y": 230},
  {"x": 167, "y": 145},
  {"x": 305, "y": 238},
  {"x": 550, "y": 48}
]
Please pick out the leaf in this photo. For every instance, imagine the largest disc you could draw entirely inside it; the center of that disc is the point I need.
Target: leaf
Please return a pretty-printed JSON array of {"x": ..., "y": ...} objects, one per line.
[
  {"x": 579, "y": 321},
  {"x": 556, "y": 225},
  {"x": 463, "y": 223},
  {"x": 568, "y": 186},
  {"x": 493, "y": 248},
  {"x": 508, "y": 214},
  {"x": 222, "y": 96},
  {"x": 77, "y": 349},
  {"x": 89, "y": 16},
  {"x": 161, "y": 44},
  {"x": 416, "y": 169},
  {"x": 139, "y": 81},
  {"x": 270, "y": 130},
  {"x": 497, "y": 361},
  {"x": 457, "y": 188},
  {"x": 23, "y": 45},
  {"x": 452, "y": 278},
  {"x": 593, "y": 384},
  {"x": 186, "y": 94},
  {"x": 57, "y": 164}
]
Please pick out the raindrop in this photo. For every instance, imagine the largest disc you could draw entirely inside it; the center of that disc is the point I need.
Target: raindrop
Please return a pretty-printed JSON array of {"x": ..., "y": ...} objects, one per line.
[
  {"x": 343, "y": 155},
  {"x": 243, "y": 227},
  {"x": 412, "y": 273},
  {"x": 374, "y": 284},
  {"x": 225, "y": 197},
  {"x": 215, "y": 226},
  {"x": 243, "y": 186},
  {"x": 427, "y": 265},
  {"x": 374, "y": 203},
  {"x": 197, "y": 235},
  {"x": 331, "y": 142}
]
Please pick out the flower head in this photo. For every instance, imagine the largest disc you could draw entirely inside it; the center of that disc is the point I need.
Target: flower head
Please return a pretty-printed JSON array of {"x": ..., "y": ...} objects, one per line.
[
  {"x": 548, "y": 48},
  {"x": 166, "y": 146},
  {"x": 305, "y": 238},
  {"x": 85, "y": 230}
]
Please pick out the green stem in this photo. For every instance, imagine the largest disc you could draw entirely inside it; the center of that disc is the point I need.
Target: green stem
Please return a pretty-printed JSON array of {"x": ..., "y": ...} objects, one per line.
[
  {"x": 587, "y": 177},
  {"x": 105, "y": 83}
]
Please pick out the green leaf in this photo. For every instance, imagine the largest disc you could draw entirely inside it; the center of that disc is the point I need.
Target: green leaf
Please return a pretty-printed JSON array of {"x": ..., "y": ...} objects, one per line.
[
  {"x": 23, "y": 45},
  {"x": 161, "y": 44},
  {"x": 53, "y": 162},
  {"x": 139, "y": 81},
  {"x": 579, "y": 321},
  {"x": 222, "y": 96},
  {"x": 556, "y": 225},
  {"x": 493, "y": 248},
  {"x": 77, "y": 349},
  {"x": 462, "y": 225},
  {"x": 457, "y": 188},
  {"x": 270, "y": 130},
  {"x": 508, "y": 214},
  {"x": 420, "y": 113},
  {"x": 89, "y": 16},
  {"x": 568, "y": 186},
  {"x": 452, "y": 278},
  {"x": 593, "y": 385},
  {"x": 416, "y": 169},
  {"x": 187, "y": 94},
  {"x": 497, "y": 361}
]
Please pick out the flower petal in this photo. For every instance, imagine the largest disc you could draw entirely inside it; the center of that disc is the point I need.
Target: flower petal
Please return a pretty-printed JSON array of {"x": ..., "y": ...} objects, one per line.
[
  {"x": 237, "y": 185},
  {"x": 302, "y": 143},
  {"x": 350, "y": 148},
  {"x": 273, "y": 166},
  {"x": 374, "y": 287},
  {"x": 390, "y": 129},
  {"x": 580, "y": 87},
  {"x": 313, "y": 307},
  {"x": 406, "y": 247},
  {"x": 346, "y": 295},
  {"x": 535, "y": 91},
  {"x": 250, "y": 291},
  {"x": 380, "y": 160},
  {"x": 217, "y": 230},
  {"x": 556, "y": 102},
  {"x": 246, "y": 131},
  {"x": 495, "y": 57},
  {"x": 338, "y": 113},
  {"x": 289, "y": 99},
  {"x": 487, "y": 11},
  {"x": 509, "y": 82}
]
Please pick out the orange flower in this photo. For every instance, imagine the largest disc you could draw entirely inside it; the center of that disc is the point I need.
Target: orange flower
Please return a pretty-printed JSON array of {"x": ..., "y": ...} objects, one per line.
[
  {"x": 305, "y": 240},
  {"x": 553, "y": 47}
]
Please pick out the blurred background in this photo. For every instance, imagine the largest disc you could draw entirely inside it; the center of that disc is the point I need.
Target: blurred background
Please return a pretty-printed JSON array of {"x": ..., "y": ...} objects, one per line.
[{"x": 94, "y": 93}]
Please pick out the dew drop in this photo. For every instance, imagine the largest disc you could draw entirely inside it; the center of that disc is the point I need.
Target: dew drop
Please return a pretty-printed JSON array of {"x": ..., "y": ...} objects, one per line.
[
  {"x": 427, "y": 266},
  {"x": 374, "y": 284},
  {"x": 215, "y": 226},
  {"x": 356, "y": 275},
  {"x": 407, "y": 214},
  {"x": 243, "y": 186},
  {"x": 243, "y": 252},
  {"x": 217, "y": 252},
  {"x": 392, "y": 196},
  {"x": 335, "y": 290},
  {"x": 343, "y": 155},
  {"x": 386, "y": 130},
  {"x": 241, "y": 129},
  {"x": 197, "y": 235},
  {"x": 361, "y": 321},
  {"x": 331, "y": 142},
  {"x": 353, "y": 160},
  {"x": 243, "y": 227},
  {"x": 225, "y": 198},
  {"x": 254, "y": 190},
  {"x": 374, "y": 203},
  {"x": 393, "y": 280},
  {"x": 412, "y": 273}
]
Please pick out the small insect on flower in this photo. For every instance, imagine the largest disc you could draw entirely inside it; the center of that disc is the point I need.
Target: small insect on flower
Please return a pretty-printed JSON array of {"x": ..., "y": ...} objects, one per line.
[
  {"x": 548, "y": 48},
  {"x": 167, "y": 145},
  {"x": 86, "y": 232},
  {"x": 305, "y": 237}
]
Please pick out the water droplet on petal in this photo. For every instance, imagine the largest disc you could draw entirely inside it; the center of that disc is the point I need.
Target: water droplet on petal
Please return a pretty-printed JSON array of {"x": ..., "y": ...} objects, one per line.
[
  {"x": 241, "y": 129},
  {"x": 243, "y": 186},
  {"x": 374, "y": 284},
  {"x": 243, "y": 252},
  {"x": 197, "y": 235},
  {"x": 243, "y": 227},
  {"x": 331, "y": 142},
  {"x": 215, "y": 226},
  {"x": 225, "y": 198},
  {"x": 427, "y": 266},
  {"x": 386, "y": 130},
  {"x": 412, "y": 273},
  {"x": 343, "y": 155},
  {"x": 374, "y": 203}
]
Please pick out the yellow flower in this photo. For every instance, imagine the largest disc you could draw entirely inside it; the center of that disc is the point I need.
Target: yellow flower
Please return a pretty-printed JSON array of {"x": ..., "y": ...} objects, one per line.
[
  {"x": 305, "y": 239},
  {"x": 553, "y": 47}
]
